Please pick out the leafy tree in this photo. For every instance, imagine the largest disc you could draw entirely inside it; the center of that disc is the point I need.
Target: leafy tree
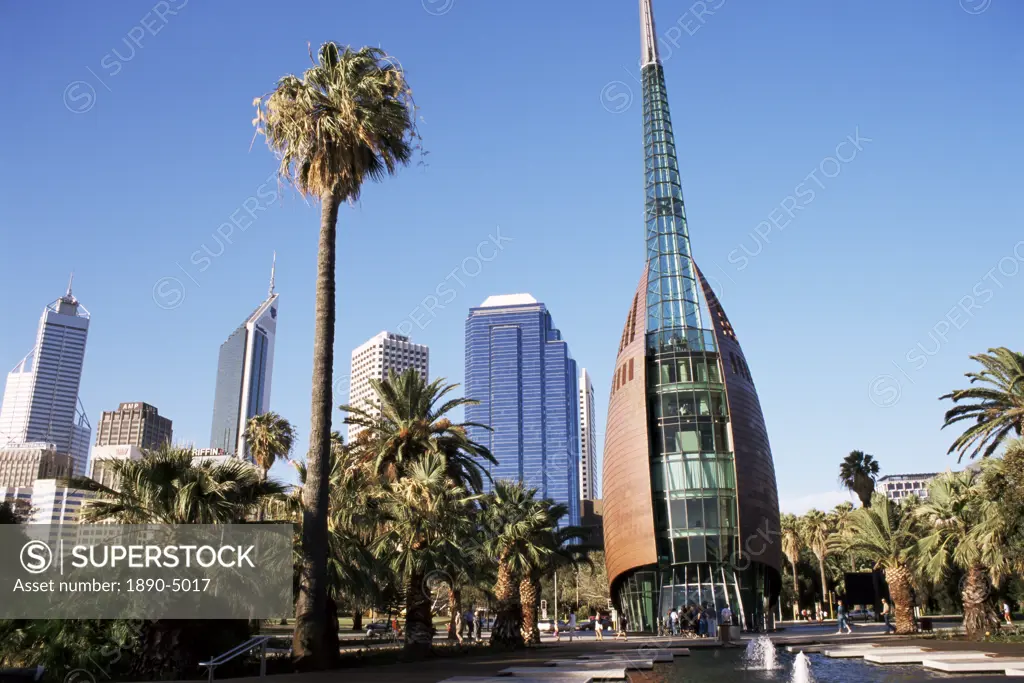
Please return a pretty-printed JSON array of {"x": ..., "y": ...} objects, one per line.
[
  {"x": 951, "y": 515},
  {"x": 885, "y": 537},
  {"x": 513, "y": 518},
  {"x": 996, "y": 406},
  {"x": 413, "y": 421},
  {"x": 268, "y": 437},
  {"x": 427, "y": 530},
  {"x": 166, "y": 487},
  {"x": 791, "y": 544},
  {"x": 858, "y": 473},
  {"x": 348, "y": 119},
  {"x": 1003, "y": 483},
  {"x": 816, "y": 533}
]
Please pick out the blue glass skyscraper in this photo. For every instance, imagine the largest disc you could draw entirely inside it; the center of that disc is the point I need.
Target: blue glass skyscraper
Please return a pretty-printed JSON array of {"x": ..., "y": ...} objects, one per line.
[{"x": 519, "y": 368}]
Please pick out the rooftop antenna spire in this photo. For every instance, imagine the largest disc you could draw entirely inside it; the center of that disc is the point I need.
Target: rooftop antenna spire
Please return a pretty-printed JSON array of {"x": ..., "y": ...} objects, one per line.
[
  {"x": 70, "y": 282},
  {"x": 648, "y": 36},
  {"x": 273, "y": 267}
]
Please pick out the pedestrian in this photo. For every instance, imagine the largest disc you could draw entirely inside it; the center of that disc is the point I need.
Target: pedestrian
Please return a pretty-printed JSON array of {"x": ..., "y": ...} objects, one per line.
[
  {"x": 479, "y": 623},
  {"x": 572, "y": 625},
  {"x": 702, "y": 623},
  {"x": 841, "y": 621},
  {"x": 712, "y": 622},
  {"x": 1006, "y": 613},
  {"x": 598, "y": 627},
  {"x": 887, "y": 616},
  {"x": 726, "y": 624},
  {"x": 622, "y": 628},
  {"x": 673, "y": 620}
]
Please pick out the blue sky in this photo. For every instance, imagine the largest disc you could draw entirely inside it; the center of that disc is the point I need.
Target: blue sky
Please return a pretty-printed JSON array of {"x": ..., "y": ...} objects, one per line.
[{"x": 128, "y": 134}]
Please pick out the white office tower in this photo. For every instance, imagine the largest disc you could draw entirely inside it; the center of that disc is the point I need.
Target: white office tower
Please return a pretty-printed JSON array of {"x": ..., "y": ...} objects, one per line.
[
  {"x": 588, "y": 449},
  {"x": 244, "y": 370},
  {"x": 374, "y": 359},
  {"x": 40, "y": 403}
]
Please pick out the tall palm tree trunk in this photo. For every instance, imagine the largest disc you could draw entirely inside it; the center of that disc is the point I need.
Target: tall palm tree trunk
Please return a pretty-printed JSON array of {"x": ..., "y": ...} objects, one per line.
[
  {"x": 902, "y": 594},
  {"x": 528, "y": 594},
  {"x": 419, "y": 627},
  {"x": 796, "y": 591},
  {"x": 312, "y": 644},
  {"x": 506, "y": 630},
  {"x": 454, "y": 610},
  {"x": 978, "y": 615},
  {"x": 824, "y": 581}
]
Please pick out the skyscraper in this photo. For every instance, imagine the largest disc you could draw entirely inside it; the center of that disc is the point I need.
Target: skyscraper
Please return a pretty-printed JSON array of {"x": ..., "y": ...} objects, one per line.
[
  {"x": 133, "y": 424},
  {"x": 519, "y": 368},
  {"x": 244, "y": 370},
  {"x": 588, "y": 449},
  {"x": 41, "y": 404},
  {"x": 690, "y": 502},
  {"x": 374, "y": 359}
]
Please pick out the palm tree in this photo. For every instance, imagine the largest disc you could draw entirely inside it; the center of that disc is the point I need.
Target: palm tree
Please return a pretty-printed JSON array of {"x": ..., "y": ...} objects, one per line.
[
  {"x": 413, "y": 421},
  {"x": 426, "y": 532},
  {"x": 840, "y": 513},
  {"x": 513, "y": 518},
  {"x": 965, "y": 530},
  {"x": 884, "y": 536},
  {"x": 997, "y": 408},
  {"x": 858, "y": 473},
  {"x": 350, "y": 118},
  {"x": 816, "y": 532},
  {"x": 563, "y": 549},
  {"x": 268, "y": 437},
  {"x": 165, "y": 487},
  {"x": 791, "y": 545}
]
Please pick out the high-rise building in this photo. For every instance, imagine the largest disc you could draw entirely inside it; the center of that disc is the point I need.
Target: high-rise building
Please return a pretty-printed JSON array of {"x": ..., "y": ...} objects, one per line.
[
  {"x": 41, "y": 403},
  {"x": 374, "y": 359},
  {"x": 588, "y": 449},
  {"x": 134, "y": 424},
  {"x": 100, "y": 464},
  {"x": 520, "y": 370},
  {"x": 244, "y": 369},
  {"x": 22, "y": 464},
  {"x": 690, "y": 502}
]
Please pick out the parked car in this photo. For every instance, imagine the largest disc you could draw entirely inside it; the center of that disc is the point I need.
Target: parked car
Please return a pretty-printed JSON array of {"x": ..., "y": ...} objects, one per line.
[
  {"x": 377, "y": 628},
  {"x": 862, "y": 615},
  {"x": 588, "y": 625},
  {"x": 548, "y": 626}
]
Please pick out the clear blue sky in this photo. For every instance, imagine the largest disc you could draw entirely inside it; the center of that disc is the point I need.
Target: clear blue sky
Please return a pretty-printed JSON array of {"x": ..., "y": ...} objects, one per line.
[{"x": 531, "y": 115}]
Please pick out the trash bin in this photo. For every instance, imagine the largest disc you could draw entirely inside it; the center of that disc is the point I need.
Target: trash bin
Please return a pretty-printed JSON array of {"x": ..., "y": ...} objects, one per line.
[
  {"x": 734, "y": 632},
  {"x": 926, "y": 624}
]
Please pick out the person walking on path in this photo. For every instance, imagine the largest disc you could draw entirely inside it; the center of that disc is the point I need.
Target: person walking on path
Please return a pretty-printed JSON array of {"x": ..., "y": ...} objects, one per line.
[
  {"x": 673, "y": 620},
  {"x": 622, "y": 628},
  {"x": 572, "y": 625},
  {"x": 841, "y": 621},
  {"x": 887, "y": 616},
  {"x": 598, "y": 628},
  {"x": 1006, "y": 614}
]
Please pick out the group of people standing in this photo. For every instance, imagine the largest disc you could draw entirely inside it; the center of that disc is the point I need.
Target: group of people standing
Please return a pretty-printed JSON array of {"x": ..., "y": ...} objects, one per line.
[
  {"x": 470, "y": 625},
  {"x": 701, "y": 620}
]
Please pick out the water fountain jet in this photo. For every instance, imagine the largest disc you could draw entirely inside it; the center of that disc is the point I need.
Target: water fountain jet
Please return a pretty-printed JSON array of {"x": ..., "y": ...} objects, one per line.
[
  {"x": 760, "y": 654},
  {"x": 801, "y": 670}
]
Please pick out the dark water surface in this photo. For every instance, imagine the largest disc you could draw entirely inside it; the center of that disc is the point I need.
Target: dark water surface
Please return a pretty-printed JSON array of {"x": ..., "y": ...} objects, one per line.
[{"x": 705, "y": 666}]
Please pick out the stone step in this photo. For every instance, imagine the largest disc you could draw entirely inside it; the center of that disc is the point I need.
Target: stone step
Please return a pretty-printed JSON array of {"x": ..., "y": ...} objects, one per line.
[
  {"x": 549, "y": 672},
  {"x": 1015, "y": 672},
  {"x": 675, "y": 651},
  {"x": 629, "y": 655},
  {"x": 918, "y": 657},
  {"x": 588, "y": 665},
  {"x": 849, "y": 653},
  {"x": 981, "y": 665}
]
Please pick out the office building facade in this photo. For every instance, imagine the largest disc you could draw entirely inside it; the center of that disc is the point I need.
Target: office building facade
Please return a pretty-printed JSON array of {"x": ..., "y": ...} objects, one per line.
[
  {"x": 520, "y": 370},
  {"x": 690, "y": 501},
  {"x": 134, "y": 424},
  {"x": 40, "y": 402},
  {"x": 22, "y": 464},
  {"x": 374, "y": 359},
  {"x": 245, "y": 367},
  {"x": 899, "y": 486},
  {"x": 588, "y": 448}
]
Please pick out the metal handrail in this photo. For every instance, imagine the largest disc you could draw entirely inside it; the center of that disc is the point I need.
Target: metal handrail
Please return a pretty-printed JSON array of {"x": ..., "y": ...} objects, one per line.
[{"x": 247, "y": 646}]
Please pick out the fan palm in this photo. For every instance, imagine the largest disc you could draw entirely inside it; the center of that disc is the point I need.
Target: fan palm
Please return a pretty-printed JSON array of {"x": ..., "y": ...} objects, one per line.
[
  {"x": 816, "y": 532},
  {"x": 268, "y": 437},
  {"x": 563, "y": 549},
  {"x": 886, "y": 537},
  {"x": 165, "y": 487},
  {"x": 427, "y": 520},
  {"x": 858, "y": 473},
  {"x": 514, "y": 520},
  {"x": 791, "y": 545},
  {"x": 964, "y": 530},
  {"x": 348, "y": 119},
  {"x": 997, "y": 406},
  {"x": 412, "y": 422}
]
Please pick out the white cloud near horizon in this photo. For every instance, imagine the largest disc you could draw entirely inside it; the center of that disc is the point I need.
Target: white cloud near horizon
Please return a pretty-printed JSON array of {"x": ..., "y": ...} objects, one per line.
[{"x": 825, "y": 501}]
